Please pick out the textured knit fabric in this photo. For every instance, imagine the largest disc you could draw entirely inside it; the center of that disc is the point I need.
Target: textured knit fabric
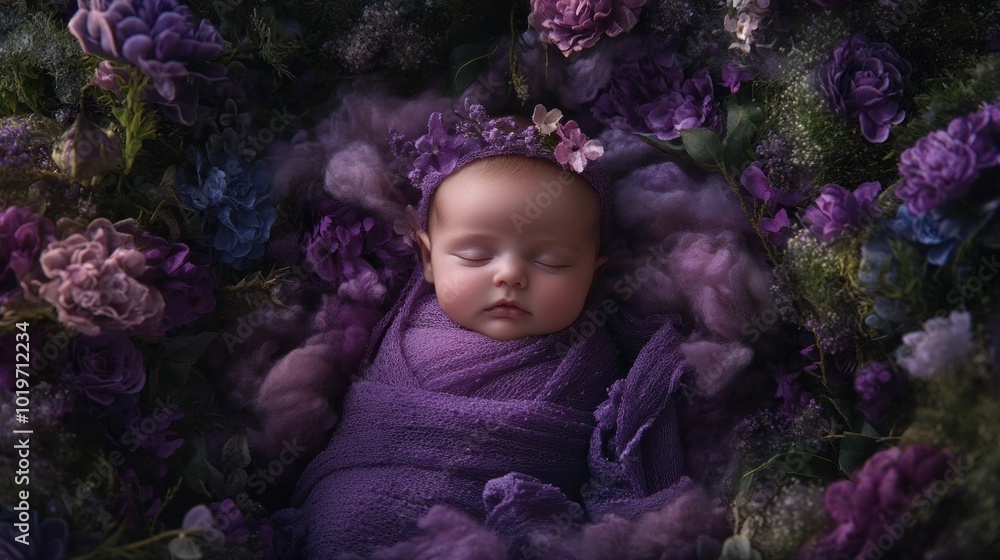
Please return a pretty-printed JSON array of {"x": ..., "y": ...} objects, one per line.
[{"x": 444, "y": 415}]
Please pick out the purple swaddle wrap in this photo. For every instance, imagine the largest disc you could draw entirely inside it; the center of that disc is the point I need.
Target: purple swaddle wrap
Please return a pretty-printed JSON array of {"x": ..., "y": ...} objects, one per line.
[{"x": 441, "y": 412}]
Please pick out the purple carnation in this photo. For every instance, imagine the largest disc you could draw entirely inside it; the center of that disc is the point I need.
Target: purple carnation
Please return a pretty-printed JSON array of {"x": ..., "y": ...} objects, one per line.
[
  {"x": 943, "y": 165},
  {"x": 23, "y": 235},
  {"x": 574, "y": 25},
  {"x": 879, "y": 386},
  {"x": 105, "y": 365},
  {"x": 94, "y": 281},
  {"x": 876, "y": 496},
  {"x": 182, "y": 276},
  {"x": 346, "y": 243},
  {"x": 837, "y": 209},
  {"x": 866, "y": 81},
  {"x": 160, "y": 37}
]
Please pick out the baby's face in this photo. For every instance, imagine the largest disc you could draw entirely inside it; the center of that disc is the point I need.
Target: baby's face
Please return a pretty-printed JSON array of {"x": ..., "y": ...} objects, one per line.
[{"x": 500, "y": 273}]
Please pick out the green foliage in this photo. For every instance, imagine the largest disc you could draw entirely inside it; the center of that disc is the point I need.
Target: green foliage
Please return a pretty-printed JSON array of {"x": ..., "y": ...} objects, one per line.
[{"x": 39, "y": 60}]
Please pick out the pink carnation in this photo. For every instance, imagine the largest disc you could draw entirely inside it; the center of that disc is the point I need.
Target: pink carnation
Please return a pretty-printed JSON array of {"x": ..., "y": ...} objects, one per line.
[{"x": 93, "y": 281}]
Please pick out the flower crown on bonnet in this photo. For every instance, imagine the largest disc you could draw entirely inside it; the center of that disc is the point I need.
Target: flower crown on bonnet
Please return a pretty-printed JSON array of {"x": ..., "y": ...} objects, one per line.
[{"x": 441, "y": 152}]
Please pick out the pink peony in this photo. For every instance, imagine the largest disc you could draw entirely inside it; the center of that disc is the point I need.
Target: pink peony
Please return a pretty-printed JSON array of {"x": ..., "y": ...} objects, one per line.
[{"x": 92, "y": 281}]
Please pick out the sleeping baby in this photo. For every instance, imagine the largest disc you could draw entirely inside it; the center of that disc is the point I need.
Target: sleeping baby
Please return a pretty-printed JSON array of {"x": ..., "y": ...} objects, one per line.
[{"x": 484, "y": 378}]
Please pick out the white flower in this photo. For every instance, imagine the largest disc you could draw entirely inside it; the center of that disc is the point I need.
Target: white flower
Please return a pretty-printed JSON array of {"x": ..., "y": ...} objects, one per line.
[
  {"x": 545, "y": 121},
  {"x": 942, "y": 340},
  {"x": 198, "y": 525}
]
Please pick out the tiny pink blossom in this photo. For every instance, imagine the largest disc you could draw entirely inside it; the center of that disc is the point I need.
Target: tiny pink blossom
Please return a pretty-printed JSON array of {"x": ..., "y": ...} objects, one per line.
[
  {"x": 575, "y": 149},
  {"x": 546, "y": 121}
]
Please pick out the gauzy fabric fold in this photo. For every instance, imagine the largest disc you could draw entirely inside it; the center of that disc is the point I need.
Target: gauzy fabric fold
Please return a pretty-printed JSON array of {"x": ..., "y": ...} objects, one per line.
[{"x": 445, "y": 415}]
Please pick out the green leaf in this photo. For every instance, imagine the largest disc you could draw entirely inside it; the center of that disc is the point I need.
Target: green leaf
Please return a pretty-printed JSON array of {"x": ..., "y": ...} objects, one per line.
[
  {"x": 704, "y": 146},
  {"x": 804, "y": 464},
  {"x": 672, "y": 148},
  {"x": 855, "y": 449},
  {"x": 187, "y": 349},
  {"x": 468, "y": 62}
]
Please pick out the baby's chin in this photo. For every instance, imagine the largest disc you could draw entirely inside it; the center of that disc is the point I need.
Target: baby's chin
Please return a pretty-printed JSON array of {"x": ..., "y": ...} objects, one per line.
[{"x": 505, "y": 330}]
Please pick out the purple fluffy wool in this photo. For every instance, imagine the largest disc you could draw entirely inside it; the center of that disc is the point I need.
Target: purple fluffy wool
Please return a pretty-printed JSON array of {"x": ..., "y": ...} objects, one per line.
[
  {"x": 663, "y": 533},
  {"x": 450, "y": 534},
  {"x": 348, "y": 152}
]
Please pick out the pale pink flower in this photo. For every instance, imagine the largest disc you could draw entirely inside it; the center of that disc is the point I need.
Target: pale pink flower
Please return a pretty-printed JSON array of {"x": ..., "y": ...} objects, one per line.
[{"x": 575, "y": 148}]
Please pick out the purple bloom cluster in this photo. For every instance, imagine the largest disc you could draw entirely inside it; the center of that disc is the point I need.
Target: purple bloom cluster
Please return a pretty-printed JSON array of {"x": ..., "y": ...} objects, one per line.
[
  {"x": 105, "y": 366},
  {"x": 574, "y": 25},
  {"x": 23, "y": 235},
  {"x": 879, "y": 386},
  {"x": 866, "y": 81},
  {"x": 346, "y": 243},
  {"x": 15, "y": 142},
  {"x": 182, "y": 276},
  {"x": 160, "y": 37},
  {"x": 237, "y": 213},
  {"x": 946, "y": 164},
  {"x": 649, "y": 93},
  {"x": 885, "y": 489},
  {"x": 837, "y": 209}
]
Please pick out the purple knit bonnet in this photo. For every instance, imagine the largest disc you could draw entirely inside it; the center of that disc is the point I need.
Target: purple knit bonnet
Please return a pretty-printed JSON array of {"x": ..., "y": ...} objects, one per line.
[{"x": 440, "y": 152}]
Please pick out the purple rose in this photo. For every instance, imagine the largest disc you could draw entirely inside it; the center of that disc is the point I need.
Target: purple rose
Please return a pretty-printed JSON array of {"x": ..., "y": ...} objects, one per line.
[
  {"x": 182, "y": 276},
  {"x": 23, "y": 235},
  {"x": 94, "y": 281},
  {"x": 160, "y": 37},
  {"x": 837, "y": 209},
  {"x": 105, "y": 365},
  {"x": 865, "y": 81},
  {"x": 574, "y": 25},
  {"x": 691, "y": 106}
]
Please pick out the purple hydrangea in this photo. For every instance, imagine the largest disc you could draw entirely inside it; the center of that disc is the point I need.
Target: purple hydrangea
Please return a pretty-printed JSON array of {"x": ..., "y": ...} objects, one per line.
[
  {"x": 879, "y": 386},
  {"x": 837, "y": 209},
  {"x": 23, "y": 236},
  {"x": 183, "y": 276},
  {"x": 346, "y": 244},
  {"x": 233, "y": 196},
  {"x": 945, "y": 164},
  {"x": 574, "y": 25},
  {"x": 93, "y": 281},
  {"x": 649, "y": 93},
  {"x": 160, "y": 37},
  {"x": 877, "y": 496},
  {"x": 105, "y": 366},
  {"x": 866, "y": 81},
  {"x": 15, "y": 144}
]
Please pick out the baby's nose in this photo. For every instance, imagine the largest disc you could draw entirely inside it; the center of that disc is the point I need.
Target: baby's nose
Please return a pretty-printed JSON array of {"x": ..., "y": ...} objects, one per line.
[{"x": 510, "y": 272}]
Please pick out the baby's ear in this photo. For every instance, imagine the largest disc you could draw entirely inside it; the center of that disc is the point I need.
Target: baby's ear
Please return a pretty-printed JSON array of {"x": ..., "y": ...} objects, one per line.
[
  {"x": 599, "y": 265},
  {"x": 424, "y": 241}
]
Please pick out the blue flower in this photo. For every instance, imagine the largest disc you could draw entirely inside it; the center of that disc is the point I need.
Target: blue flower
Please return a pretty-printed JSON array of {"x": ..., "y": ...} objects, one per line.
[
  {"x": 937, "y": 230},
  {"x": 237, "y": 213}
]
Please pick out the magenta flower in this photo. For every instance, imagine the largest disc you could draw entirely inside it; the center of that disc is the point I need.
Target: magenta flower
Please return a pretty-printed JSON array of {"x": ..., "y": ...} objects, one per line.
[
  {"x": 182, "y": 276},
  {"x": 575, "y": 149},
  {"x": 574, "y": 25},
  {"x": 93, "y": 281},
  {"x": 837, "y": 209},
  {"x": 438, "y": 150},
  {"x": 879, "y": 495},
  {"x": 755, "y": 181},
  {"x": 23, "y": 236}
]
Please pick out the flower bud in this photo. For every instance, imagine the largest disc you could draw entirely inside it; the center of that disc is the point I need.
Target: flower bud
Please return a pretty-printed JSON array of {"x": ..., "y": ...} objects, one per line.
[{"x": 85, "y": 151}]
